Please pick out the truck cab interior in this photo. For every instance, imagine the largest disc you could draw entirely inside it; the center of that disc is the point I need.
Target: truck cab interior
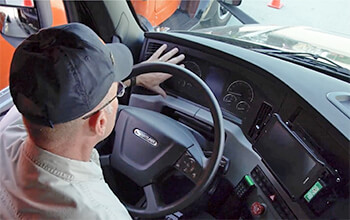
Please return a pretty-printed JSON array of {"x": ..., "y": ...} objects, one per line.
[{"x": 245, "y": 132}]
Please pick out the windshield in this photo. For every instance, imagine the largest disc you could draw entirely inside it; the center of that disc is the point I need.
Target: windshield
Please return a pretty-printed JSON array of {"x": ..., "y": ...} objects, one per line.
[{"x": 316, "y": 27}]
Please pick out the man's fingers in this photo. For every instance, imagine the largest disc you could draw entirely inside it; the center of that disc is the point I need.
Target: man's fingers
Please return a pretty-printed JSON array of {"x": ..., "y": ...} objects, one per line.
[
  {"x": 158, "y": 52},
  {"x": 160, "y": 91},
  {"x": 169, "y": 54},
  {"x": 177, "y": 59}
]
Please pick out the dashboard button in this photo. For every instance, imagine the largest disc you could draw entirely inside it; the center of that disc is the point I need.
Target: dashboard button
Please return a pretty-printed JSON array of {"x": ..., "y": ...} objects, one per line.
[
  {"x": 272, "y": 197},
  {"x": 257, "y": 209}
]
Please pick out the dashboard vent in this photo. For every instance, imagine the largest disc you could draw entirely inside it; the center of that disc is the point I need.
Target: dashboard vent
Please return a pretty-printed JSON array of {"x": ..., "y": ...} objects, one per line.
[
  {"x": 260, "y": 120},
  {"x": 152, "y": 47}
]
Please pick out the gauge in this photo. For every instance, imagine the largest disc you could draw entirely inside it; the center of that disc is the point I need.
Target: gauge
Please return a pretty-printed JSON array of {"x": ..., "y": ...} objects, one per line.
[
  {"x": 241, "y": 90},
  {"x": 182, "y": 83},
  {"x": 194, "y": 67},
  {"x": 242, "y": 106},
  {"x": 229, "y": 98}
]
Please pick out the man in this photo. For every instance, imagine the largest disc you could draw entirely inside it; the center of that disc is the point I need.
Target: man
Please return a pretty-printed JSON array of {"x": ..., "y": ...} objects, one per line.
[{"x": 65, "y": 82}]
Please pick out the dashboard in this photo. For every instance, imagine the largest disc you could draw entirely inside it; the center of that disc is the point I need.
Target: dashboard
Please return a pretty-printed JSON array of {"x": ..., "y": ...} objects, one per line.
[
  {"x": 281, "y": 130},
  {"x": 237, "y": 88}
]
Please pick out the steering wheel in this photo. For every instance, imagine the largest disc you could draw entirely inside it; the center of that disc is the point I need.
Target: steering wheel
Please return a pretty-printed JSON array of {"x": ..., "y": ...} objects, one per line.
[{"x": 147, "y": 144}]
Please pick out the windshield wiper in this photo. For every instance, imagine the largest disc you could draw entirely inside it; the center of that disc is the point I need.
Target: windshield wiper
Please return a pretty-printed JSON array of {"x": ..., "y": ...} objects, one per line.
[
  {"x": 302, "y": 54},
  {"x": 309, "y": 59}
]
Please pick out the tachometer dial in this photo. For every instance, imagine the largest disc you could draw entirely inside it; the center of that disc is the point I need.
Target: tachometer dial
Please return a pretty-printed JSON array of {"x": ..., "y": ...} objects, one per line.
[
  {"x": 241, "y": 90},
  {"x": 194, "y": 67}
]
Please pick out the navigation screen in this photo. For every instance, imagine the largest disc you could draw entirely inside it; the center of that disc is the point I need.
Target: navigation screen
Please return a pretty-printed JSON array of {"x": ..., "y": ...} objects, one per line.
[{"x": 287, "y": 158}]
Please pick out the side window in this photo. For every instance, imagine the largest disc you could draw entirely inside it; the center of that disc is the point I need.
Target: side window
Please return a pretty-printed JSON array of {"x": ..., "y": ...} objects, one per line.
[
  {"x": 163, "y": 15},
  {"x": 18, "y": 20},
  {"x": 16, "y": 23}
]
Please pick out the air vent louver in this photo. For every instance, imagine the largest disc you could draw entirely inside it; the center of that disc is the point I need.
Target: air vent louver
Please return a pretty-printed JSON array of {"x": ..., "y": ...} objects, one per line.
[
  {"x": 152, "y": 47},
  {"x": 260, "y": 120}
]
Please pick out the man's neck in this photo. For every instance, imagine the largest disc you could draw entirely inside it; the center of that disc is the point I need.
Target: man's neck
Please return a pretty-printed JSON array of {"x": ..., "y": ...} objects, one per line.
[{"x": 75, "y": 150}]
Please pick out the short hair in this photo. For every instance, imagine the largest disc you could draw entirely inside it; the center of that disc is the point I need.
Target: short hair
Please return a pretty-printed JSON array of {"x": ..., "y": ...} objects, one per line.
[{"x": 43, "y": 134}]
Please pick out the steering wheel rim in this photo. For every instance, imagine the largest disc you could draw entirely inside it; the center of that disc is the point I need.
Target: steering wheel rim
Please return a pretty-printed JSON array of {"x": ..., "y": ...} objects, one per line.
[{"x": 211, "y": 167}]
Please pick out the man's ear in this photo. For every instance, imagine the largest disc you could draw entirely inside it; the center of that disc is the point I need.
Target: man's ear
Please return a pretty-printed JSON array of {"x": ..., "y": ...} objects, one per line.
[{"x": 98, "y": 122}]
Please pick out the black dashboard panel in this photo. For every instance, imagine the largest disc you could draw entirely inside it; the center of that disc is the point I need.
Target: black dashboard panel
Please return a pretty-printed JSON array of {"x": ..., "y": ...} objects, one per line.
[
  {"x": 250, "y": 88},
  {"x": 238, "y": 88}
]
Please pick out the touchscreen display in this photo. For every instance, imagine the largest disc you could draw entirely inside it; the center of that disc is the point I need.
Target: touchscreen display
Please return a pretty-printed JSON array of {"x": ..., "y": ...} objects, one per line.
[{"x": 287, "y": 158}]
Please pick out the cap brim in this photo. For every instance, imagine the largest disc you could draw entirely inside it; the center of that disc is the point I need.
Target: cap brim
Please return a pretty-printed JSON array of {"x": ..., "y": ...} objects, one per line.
[{"x": 123, "y": 60}]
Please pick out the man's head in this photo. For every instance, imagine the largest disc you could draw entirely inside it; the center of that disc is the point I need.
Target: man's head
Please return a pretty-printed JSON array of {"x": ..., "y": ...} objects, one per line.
[{"x": 62, "y": 74}]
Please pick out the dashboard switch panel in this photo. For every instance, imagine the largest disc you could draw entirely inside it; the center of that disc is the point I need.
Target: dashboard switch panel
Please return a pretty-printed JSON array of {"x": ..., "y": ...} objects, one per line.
[
  {"x": 244, "y": 186},
  {"x": 271, "y": 193}
]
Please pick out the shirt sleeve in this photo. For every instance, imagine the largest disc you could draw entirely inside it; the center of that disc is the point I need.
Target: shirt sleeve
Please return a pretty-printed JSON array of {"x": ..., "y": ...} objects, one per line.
[
  {"x": 12, "y": 127},
  {"x": 11, "y": 118}
]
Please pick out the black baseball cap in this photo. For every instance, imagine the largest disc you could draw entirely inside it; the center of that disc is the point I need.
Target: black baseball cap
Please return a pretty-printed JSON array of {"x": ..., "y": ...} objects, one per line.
[{"x": 61, "y": 73}]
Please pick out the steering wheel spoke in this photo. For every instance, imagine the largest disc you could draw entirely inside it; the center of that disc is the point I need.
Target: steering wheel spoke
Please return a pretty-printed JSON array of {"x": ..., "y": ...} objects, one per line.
[{"x": 152, "y": 198}]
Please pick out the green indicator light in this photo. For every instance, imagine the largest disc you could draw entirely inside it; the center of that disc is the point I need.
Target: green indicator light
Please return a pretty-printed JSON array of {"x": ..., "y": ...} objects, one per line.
[
  {"x": 249, "y": 180},
  {"x": 313, "y": 191}
]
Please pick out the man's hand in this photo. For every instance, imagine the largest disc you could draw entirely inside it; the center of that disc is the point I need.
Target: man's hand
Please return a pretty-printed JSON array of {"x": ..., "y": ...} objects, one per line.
[
  {"x": 168, "y": 57},
  {"x": 151, "y": 81}
]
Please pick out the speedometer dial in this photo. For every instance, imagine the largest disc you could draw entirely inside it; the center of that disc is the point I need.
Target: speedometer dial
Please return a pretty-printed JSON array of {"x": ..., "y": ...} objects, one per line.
[{"x": 241, "y": 90}]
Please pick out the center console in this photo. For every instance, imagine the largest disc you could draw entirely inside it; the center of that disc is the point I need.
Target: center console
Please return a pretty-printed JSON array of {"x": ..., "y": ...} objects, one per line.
[{"x": 303, "y": 176}]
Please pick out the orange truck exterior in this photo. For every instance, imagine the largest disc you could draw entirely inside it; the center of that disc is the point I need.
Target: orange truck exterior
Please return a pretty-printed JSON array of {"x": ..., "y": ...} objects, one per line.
[
  {"x": 156, "y": 11},
  {"x": 6, "y": 53}
]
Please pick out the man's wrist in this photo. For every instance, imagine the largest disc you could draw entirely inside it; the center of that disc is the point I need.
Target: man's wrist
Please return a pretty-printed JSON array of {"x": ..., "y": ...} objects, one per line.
[
  {"x": 130, "y": 82},
  {"x": 133, "y": 81}
]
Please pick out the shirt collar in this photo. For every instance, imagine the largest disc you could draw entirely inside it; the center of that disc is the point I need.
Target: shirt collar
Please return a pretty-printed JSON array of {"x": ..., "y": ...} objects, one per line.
[{"x": 62, "y": 167}]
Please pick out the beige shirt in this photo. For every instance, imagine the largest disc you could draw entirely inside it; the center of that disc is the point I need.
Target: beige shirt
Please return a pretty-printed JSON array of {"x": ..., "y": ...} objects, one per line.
[{"x": 35, "y": 183}]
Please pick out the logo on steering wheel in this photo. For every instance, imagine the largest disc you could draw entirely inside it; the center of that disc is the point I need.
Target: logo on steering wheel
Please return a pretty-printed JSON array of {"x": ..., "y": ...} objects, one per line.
[{"x": 146, "y": 137}]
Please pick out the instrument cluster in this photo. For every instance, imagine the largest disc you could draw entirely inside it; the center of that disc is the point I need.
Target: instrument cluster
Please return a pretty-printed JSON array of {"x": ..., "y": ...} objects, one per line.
[
  {"x": 234, "y": 94},
  {"x": 239, "y": 95}
]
